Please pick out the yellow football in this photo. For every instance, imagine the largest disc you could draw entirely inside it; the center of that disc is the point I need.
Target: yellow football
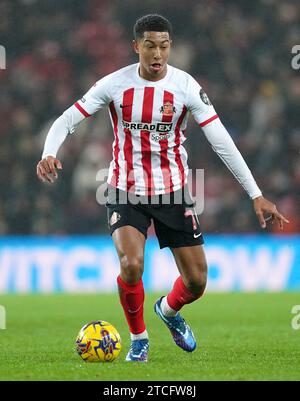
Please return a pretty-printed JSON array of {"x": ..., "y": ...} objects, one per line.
[{"x": 98, "y": 341}]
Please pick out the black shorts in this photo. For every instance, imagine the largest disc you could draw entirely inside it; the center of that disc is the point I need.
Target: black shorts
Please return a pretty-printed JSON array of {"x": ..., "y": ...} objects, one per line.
[{"x": 175, "y": 221}]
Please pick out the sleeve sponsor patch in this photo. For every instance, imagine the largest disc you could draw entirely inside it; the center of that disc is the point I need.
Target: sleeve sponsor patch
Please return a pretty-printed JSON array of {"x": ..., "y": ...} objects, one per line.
[{"x": 204, "y": 97}]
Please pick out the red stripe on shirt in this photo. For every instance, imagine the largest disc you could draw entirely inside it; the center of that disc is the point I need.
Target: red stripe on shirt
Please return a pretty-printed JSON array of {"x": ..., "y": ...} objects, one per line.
[
  {"x": 177, "y": 145},
  {"x": 209, "y": 120},
  {"x": 85, "y": 113},
  {"x": 145, "y": 139},
  {"x": 116, "y": 151},
  {"x": 128, "y": 148},
  {"x": 164, "y": 160}
]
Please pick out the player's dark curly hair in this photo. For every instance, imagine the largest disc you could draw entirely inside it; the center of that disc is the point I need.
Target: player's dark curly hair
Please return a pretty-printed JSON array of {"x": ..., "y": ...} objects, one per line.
[{"x": 151, "y": 22}]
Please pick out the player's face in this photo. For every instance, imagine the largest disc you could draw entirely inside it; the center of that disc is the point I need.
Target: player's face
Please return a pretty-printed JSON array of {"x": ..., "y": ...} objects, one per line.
[{"x": 153, "y": 50}]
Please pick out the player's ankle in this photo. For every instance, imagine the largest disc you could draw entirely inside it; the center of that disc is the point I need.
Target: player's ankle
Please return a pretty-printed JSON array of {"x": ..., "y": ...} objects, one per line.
[
  {"x": 140, "y": 336},
  {"x": 166, "y": 309}
]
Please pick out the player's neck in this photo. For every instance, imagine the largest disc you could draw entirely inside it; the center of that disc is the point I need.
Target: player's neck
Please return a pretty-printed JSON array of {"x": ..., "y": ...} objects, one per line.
[{"x": 143, "y": 73}]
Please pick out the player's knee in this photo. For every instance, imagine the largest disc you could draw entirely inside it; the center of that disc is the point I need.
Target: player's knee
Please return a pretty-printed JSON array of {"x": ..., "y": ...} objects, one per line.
[
  {"x": 132, "y": 268},
  {"x": 197, "y": 287},
  {"x": 196, "y": 283}
]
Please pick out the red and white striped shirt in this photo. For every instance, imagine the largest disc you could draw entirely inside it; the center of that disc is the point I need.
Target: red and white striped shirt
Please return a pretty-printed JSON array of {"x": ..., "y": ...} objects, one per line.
[{"x": 148, "y": 120}]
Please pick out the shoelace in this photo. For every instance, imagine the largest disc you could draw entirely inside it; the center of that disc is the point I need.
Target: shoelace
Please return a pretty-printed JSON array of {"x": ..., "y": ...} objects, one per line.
[
  {"x": 138, "y": 346},
  {"x": 179, "y": 322}
]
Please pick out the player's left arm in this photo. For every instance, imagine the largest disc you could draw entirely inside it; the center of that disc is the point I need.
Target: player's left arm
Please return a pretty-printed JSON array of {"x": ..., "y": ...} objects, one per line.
[
  {"x": 222, "y": 143},
  {"x": 226, "y": 149},
  {"x": 262, "y": 206}
]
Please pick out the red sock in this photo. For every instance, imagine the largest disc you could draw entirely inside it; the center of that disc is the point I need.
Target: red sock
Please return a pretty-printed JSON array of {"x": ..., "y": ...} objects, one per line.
[
  {"x": 180, "y": 295},
  {"x": 132, "y": 299}
]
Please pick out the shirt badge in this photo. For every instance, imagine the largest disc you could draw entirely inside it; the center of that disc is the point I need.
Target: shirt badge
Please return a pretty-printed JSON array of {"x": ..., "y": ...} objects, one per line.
[{"x": 167, "y": 109}]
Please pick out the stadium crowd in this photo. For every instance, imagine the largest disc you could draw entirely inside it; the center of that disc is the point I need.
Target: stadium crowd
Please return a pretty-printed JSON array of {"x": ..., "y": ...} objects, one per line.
[{"x": 240, "y": 52}]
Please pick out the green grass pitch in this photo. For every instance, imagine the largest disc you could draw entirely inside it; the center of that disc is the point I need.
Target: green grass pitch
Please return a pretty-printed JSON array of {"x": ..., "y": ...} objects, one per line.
[{"x": 239, "y": 336}]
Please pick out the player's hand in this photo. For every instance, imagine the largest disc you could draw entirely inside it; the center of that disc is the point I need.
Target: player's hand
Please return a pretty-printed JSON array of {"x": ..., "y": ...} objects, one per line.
[
  {"x": 262, "y": 206},
  {"x": 46, "y": 169}
]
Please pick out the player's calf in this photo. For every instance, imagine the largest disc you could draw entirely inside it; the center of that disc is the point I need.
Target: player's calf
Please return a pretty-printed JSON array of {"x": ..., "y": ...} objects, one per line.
[
  {"x": 196, "y": 286},
  {"x": 182, "y": 295}
]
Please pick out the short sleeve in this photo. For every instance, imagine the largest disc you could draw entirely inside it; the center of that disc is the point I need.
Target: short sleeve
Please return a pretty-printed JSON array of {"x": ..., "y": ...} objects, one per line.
[
  {"x": 96, "y": 98},
  {"x": 199, "y": 104}
]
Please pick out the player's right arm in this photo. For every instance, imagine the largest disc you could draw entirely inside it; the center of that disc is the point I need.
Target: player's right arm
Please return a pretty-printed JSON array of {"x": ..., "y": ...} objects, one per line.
[{"x": 96, "y": 98}]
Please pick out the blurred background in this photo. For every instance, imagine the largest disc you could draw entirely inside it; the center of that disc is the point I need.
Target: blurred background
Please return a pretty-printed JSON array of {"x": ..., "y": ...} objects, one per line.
[{"x": 239, "y": 51}]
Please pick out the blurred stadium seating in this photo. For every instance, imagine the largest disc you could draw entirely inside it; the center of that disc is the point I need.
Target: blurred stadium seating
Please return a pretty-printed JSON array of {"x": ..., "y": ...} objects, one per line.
[{"x": 240, "y": 51}]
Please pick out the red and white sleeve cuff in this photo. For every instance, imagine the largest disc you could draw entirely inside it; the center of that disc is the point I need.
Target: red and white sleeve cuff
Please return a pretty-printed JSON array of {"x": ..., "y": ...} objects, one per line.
[
  {"x": 81, "y": 109},
  {"x": 209, "y": 120}
]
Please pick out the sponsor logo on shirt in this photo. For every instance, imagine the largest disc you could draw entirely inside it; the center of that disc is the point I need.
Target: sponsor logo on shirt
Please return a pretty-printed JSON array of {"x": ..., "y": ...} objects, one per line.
[
  {"x": 157, "y": 127},
  {"x": 160, "y": 137}
]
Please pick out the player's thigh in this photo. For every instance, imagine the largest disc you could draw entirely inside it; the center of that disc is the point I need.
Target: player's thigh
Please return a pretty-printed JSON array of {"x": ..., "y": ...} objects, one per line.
[
  {"x": 192, "y": 265},
  {"x": 130, "y": 245}
]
